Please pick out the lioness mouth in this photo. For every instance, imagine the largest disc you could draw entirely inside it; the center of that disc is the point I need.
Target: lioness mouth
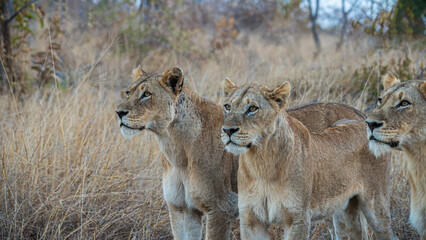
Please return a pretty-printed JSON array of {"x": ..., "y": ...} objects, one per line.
[
  {"x": 391, "y": 143},
  {"x": 140, "y": 129},
  {"x": 247, "y": 146}
]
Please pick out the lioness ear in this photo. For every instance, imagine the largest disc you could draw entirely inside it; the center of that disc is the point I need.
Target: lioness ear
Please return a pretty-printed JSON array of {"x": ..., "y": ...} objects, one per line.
[
  {"x": 137, "y": 73},
  {"x": 228, "y": 87},
  {"x": 389, "y": 81},
  {"x": 423, "y": 89},
  {"x": 173, "y": 79},
  {"x": 281, "y": 94}
]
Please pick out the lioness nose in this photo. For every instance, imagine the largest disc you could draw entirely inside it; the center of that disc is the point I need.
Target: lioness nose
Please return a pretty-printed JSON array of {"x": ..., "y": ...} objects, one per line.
[
  {"x": 230, "y": 130},
  {"x": 121, "y": 113},
  {"x": 373, "y": 125}
]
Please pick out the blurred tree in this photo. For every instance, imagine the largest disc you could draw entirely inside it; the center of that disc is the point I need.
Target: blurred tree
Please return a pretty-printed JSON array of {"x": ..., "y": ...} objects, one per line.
[
  {"x": 404, "y": 19},
  {"x": 78, "y": 10},
  {"x": 225, "y": 33},
  {"x": 7, "y": 16},
  {"x": 409, "y": 18},
  {"x": 344, "y": 22},
  {"x": 313, "y": 17},
  {"x": 290, "y": 7}
]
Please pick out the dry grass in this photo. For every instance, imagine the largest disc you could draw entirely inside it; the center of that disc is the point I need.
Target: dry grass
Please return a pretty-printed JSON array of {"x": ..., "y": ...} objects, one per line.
[{"x": 67, "y": 173}]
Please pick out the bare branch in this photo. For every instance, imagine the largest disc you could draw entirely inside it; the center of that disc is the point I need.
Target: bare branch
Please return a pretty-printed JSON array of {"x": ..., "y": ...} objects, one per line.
[
  {"x": 20, "y": 10},
  {"x": 310, "y": 9},
  {"x": 311, "y": 15},
  {"x": 316, "y": 10}
]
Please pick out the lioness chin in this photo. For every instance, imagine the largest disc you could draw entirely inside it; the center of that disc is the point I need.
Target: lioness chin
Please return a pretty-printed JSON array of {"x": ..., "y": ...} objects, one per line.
[
  {"x": 290, "y": 176},
  {"x": 399, "y": 122}
]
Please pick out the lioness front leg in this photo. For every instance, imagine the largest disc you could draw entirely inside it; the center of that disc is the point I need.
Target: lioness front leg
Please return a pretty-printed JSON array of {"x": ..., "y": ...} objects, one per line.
[
  {"x": 186, "y": 223},
  {"x": 336, "y": 226},
  {"x": 219, "y": 219},
  {"x": 218, "y": 225},
  {"x": 251, "y": 227},
  {"x": 378, "y": 216},
  {"x": 299, "y": 228}
]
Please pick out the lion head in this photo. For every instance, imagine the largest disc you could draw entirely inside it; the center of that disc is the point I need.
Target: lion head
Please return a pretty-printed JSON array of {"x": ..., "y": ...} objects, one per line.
[
  {"x": 149, "y": 103},
  {"x": 400, "y": 118},
  {"x": 249, "y": 114}
]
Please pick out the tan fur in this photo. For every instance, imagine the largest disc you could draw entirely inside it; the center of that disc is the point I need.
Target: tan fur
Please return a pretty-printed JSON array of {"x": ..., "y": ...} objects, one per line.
[
  {"x": 137, "y": 73},
  {"x": 389, "y": 80},
  {"x": 404, "y": 128},
  {"x": 185, "y": 126},
  {"x": 292, "y": 176},
  {"x": 197, "y": 171},
  {"x": 228, "y": 86},
  {"x": 423, "y": 89}
]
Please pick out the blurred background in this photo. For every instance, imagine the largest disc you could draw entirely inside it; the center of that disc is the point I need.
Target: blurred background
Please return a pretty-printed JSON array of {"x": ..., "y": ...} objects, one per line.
[
  {"x": 67, "y": 173},
  {"x": 38, "y": 38}
]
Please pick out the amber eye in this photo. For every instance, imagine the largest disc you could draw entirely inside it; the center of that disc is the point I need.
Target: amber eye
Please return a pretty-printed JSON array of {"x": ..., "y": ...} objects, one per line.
[
  {"x": 253, "y": 108},
  {"x": 146, "y": 94},
  {"x": 227, "y": 107},
  {"x": 404, "y": 103}
]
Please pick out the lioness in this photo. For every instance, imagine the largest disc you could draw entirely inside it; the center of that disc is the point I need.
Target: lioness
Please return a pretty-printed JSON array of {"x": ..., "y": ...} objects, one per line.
[
  {"x": 196, "y": 169},
  {"x": 399, "y": 122},
  {"x": 290, "y": 176}
]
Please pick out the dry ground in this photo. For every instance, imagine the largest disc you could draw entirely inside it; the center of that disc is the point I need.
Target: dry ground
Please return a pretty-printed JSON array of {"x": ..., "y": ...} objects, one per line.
[{"x": 67, "y": 173}]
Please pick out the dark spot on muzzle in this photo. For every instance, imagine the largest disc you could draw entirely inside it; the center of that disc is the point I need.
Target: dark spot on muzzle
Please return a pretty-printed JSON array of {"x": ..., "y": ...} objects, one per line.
[{"x": 392, "y": 144}]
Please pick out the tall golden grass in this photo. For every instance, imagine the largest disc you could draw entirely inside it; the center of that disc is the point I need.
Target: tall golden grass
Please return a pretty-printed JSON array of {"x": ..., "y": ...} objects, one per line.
[{"x": 67, "y": 173}]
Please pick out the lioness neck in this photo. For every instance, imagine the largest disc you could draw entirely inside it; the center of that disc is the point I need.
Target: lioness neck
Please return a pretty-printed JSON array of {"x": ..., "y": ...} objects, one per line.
[
  {"x": 177, "y": 140},
  {"x": 416, "y": 155},
  {"x": 279, "y": 144}
]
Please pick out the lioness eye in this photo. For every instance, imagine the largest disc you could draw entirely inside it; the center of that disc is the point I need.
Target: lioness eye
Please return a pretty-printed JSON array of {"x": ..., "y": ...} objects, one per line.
[
  {"x": 253, "y": 108},
  {"x": 145, "y": 95},
  {"x": 404, "y": 103},
  {"x": 227, "y": 107}
]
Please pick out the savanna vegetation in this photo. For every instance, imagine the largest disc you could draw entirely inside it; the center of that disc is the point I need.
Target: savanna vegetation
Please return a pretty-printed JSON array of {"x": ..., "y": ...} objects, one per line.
[{"x": 66, "y": 172}]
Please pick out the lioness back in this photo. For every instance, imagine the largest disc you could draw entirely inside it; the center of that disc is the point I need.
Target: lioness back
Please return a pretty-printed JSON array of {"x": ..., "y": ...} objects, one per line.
[{"x": 318, "y": 116}]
